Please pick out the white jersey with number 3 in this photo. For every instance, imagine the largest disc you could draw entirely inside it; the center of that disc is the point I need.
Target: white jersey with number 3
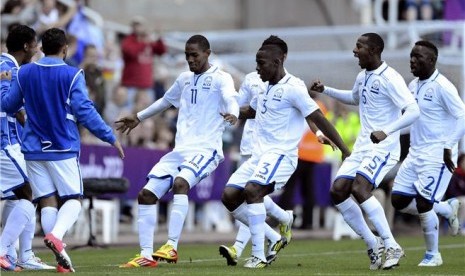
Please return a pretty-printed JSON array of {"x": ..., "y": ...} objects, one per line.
[
  {"x": 280, "y": 116},
  {"x": 200, "y": 99},
  {"x": 381, "y": 95}
]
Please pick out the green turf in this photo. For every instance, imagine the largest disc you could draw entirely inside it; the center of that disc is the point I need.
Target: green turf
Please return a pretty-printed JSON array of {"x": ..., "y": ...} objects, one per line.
[{"x": 301, "y": 257}]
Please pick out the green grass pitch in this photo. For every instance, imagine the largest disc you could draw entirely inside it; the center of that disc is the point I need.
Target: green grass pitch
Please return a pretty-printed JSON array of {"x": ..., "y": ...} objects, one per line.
[{"x": 300, "y": 257}]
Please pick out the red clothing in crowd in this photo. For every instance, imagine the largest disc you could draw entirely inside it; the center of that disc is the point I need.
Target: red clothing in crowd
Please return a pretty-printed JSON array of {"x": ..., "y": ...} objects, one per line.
[{"x": 138, "y": 61}]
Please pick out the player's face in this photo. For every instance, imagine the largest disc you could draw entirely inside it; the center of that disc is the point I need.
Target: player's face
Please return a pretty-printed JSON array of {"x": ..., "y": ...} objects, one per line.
[
  {"x": 362, "y": 52},
  {"x": 421, "y": 61},
  {"x": 196, "y": 58},
  {"x": 31, "y": 49},
  {"x": 266, "y": 67}
]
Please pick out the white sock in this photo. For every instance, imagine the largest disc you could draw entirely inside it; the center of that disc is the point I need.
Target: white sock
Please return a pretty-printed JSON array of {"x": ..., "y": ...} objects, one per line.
[
  {"x": 66, "y": 217},
  {"x": 257, "y": 216},
  {"x": 411, "y": 208},
  {"x": 23, "y": 212},
  {"x": 48, "y": 218},
  {"x": 177, "y": 217},
  {"x": 25, "y": 240},
  {"x": 275, "y": 211},
  {"x": 241, "y": 214},
  {"x": 146, "y": 220},
  {"x": 375, "y": 214},
  {"x": 354, "y": 217},
  {"x": 430, "y": 223},
  {"x": 443, "y": 209},
  {"x": 7, "y": 208},
  {"x": 242, "y": 238}
]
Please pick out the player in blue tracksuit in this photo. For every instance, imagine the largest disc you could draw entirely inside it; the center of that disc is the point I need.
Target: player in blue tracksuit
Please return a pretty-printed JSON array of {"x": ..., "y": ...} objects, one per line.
[
  {"x": 56, "y": 101},
  {"x": 18, "y": 214}
]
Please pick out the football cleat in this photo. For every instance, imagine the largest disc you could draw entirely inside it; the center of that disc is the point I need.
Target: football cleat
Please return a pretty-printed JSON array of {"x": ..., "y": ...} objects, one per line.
[
  {"x": 393, "y": 256},
  {"x": 285, "y": 229},
  {"x": 274, "y": 248},
  {"x": 58, "y": 248},
  {"x": 166, "y": 253},
  {"x": 139, "y": 261},
  {"x": 453, "y": 219},
  {"x": 431, "y": 260},
  {"x": 255, "y": 262},
  {"x": 34, "y": 263},
  {"x": 7, "y": 265},
  {"x": 376, "y": 254},
  {"x": 229, "y": 253}
]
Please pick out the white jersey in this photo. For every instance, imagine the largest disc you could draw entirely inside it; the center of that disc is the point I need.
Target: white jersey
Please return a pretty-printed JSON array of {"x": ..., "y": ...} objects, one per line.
[
  {"x": 200, "y": 99},
  {"x": 440, "y": 106},
  {"x": 250, "y": 88},
  {"x": 280, "y": 116},
  {"x": 381, "y": 95}
]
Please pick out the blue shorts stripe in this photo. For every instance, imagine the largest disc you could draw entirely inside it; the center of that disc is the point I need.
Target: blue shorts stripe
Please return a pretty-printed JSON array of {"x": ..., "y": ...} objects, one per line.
[
  {"x": 17, "y": 166},
  {"x": 207, "y": 163},
  {"x": 235, "y": 186},
  {"x": 274, "y": 169},
  {"x": 386, "y": 158}
]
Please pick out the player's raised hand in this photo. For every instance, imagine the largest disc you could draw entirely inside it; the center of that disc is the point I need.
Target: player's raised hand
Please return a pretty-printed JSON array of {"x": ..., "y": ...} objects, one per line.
[
  {"x": 448, "y": 160},
  {"x": 230, "y": 118},
  {"x": 127, "y": 123},
  {"x": 317, "y": 86}
]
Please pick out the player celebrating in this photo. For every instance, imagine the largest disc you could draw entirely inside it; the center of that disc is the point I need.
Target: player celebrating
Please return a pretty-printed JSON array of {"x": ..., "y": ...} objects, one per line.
[
  {"x": 381, "y": 94},
  {"x": 280, "y": 113},
  {"x": 424, "y": 176},
  {"x": 205, "y": 96}
]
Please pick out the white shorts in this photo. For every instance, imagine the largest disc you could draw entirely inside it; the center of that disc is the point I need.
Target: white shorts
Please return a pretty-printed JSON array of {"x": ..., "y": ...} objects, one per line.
[
  {"x": 372, "y": 165},
  {"x": 193, "y": 166},
  {"x": 271, "y": 167},
  {"x": 12, "y": 168},
  {"x": 50, "y": 177},
  {"x": 420, "y": 177},
  {"x": 7, "y": 195}
]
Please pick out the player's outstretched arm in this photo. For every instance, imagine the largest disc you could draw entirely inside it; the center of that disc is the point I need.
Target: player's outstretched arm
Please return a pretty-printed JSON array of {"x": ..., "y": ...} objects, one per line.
[
  {"x": 328, "y": 130},
  {"x": 247, "y": 112},
  {"x": 126, "y": 124},
  {"x": 118, "y": 146}
]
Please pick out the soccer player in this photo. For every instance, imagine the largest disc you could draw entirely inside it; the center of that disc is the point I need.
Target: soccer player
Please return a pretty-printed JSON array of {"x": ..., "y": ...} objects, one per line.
[
  {"x": 15, "y": 188},
  {"x": 280, "y": 112},
  {"x": 205, "y": 97},
  {"x": 424, "y": 176},
  {"x": 250, "y": 87},
  {"x": 56, "y": 99},
  {"x": 381, "y": 94}
]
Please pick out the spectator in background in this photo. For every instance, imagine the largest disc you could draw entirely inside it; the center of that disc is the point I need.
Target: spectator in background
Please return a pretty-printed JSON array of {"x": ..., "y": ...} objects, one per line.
[
  {"x": 94, "y": 77},
  {"x": 17, "y": 12},
  {"x": 425, "y": 7},
  {"x": 138, "y": 55},
  {"x": 116, "y": 107}
]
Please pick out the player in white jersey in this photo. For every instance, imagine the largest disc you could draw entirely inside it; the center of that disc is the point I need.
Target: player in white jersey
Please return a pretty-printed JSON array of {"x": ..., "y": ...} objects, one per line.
[
  {"x": 205, "y": 97},
  {"x": 424, "y": 176},
  {"x": 381, "y": 94},
  {"x": 280, "y": 112}
]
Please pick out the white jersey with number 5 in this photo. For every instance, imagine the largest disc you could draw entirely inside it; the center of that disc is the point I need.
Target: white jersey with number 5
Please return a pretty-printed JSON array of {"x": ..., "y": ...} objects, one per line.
[
  {"x": 381, "y": 95},
  {"x": 440, "y": 106},
  {"x": 200, "y": 99},
  {"x": 280, "y": 116}
]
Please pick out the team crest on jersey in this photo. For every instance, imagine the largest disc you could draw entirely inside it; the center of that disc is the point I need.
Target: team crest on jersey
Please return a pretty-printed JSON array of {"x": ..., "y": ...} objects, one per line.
[
  {"x": 207, "y": 83},
  {"x": 375, "y": 87},
  {"x": 278, "y": 94},
  {"x": 428, "y": 95}
]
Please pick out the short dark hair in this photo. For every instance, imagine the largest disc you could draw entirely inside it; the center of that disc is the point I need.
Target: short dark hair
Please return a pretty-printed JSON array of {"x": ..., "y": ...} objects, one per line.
[
  {"x": 53, "y": 40},
  {"x": 274, "y": 40},
  {"x": 18, "y": 36},
  {"x": 375, "y": 41},
  {"x": 273, "y": 48},
  {"x": 429, "y": 45},
  {"x": 200, "y": 40}
]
